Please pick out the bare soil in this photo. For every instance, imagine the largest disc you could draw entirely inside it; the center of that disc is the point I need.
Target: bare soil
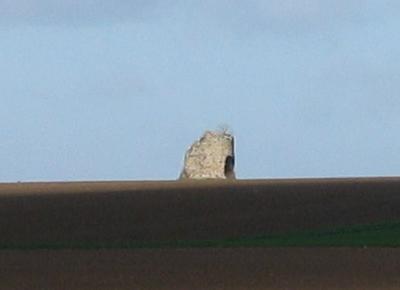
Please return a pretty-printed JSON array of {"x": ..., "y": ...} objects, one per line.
[{"x": 98, "y": 213}]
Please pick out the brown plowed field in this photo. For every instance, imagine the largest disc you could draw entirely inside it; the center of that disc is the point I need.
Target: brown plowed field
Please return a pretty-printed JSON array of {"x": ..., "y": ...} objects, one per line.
[
  {"x": 122, "y": 212},
  {"x": 239, "y": 268}
]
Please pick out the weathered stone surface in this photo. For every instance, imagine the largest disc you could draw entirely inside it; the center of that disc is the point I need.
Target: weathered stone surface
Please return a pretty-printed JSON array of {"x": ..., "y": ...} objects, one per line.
[{"x": 210, "y": 157}]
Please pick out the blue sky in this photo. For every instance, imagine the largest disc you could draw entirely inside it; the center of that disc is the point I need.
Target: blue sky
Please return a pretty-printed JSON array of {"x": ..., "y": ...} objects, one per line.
[{"x": 105, "y": 90}]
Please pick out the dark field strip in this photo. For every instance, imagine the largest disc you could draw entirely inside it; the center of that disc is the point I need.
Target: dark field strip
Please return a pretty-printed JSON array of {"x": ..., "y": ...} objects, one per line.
[{"x": 243, "y": 213}]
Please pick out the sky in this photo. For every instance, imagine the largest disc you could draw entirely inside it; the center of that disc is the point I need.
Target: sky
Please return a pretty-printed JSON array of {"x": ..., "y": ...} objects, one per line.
[{"x": 118, "y": 90}]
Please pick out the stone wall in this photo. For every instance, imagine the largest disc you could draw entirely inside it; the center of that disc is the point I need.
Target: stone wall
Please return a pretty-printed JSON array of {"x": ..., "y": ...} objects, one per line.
[{"x": 211, "y": 157}]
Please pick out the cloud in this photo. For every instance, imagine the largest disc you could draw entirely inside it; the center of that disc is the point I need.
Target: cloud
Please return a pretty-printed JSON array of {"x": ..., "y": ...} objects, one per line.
[
  {"x": 298, "y": 15},
  {"x": 72, "y": 12},
  {"x": 248, "y": 15}
]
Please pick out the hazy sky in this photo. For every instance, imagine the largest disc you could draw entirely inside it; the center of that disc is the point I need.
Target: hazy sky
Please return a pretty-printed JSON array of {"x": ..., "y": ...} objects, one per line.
[{"x": 101, "y": 90}]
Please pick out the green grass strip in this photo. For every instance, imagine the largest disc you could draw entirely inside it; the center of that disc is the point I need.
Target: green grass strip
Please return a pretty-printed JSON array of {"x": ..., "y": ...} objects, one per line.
[{"x": 371, "y": 235}]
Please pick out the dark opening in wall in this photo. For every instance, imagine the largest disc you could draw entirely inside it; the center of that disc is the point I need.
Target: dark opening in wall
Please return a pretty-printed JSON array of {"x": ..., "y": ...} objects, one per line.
[{"x": 229, "y": 165}]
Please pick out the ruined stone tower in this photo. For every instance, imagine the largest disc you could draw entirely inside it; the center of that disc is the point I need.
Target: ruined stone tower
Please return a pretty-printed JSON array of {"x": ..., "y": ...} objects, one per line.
[{"x": 211, "y": 157}]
